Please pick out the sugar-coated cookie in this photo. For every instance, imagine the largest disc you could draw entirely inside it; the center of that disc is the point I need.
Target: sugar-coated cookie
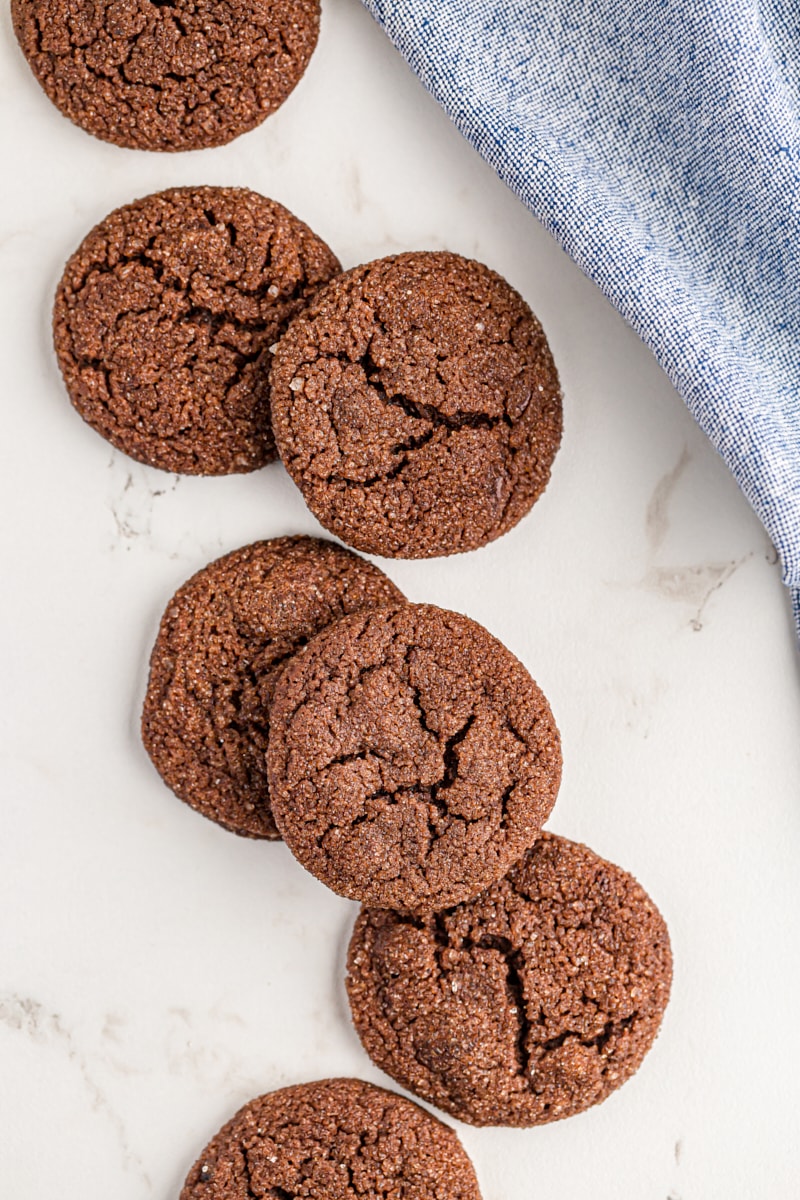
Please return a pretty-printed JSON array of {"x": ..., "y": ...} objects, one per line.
[
  {"x": 416, "y": 405},
  {"x": 167, "y": 74},
  {"x": 164, "y": 317},
  {"x": 532, "y": 1002},
  {"x": 224, "y": 639},
  {"x": 338, "y": 1139},
  {"x": 412, "y": 759}
]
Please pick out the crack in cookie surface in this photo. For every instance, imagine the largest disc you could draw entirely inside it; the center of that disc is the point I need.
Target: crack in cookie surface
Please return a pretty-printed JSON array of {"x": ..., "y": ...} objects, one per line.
[
  {"x": 164, "y": 317},
  {"x": 337, "y": 1139},
  {"x": 417, "y": 406},
  {"x": 531, "y": 1002},
  {"x": 412, "y": 758},
  {"x": 224, "y": 639},
  {"x": 167, "y": 76}
]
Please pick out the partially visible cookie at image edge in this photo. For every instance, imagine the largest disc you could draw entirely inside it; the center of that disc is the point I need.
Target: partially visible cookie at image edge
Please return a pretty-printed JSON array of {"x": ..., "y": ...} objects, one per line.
[
  {"x": 337, "y": 1139},
  {"x": 164, "y": 317},
  {"x": 223, "y": 640},
  {"x": 530, "y": 1003},
  {"x": 181, "y": 75},
  {"x": 417, "y": 406},
  {"x": 412, "y": 758}
]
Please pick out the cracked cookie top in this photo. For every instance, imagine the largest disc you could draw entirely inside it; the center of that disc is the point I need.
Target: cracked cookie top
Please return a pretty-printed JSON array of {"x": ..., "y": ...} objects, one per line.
[
  {"x": 167, "y": 74},
  {"x": 416, "y": 405},
  {"x": 164, "y": 317},
  {"x": 532, "y": 1002},
  {"x": 337, "y": 1139},
  {"x": 224, "y": 639},
  {"x": 412, "y": 758}
]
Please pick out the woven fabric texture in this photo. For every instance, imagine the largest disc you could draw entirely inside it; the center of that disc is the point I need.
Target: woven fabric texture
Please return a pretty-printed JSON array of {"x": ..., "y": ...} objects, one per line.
[{"x": 659, "y": 142}]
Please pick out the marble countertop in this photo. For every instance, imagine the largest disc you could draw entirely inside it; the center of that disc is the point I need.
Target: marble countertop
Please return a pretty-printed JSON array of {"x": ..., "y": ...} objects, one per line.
[{"x": 156, "y": 972}]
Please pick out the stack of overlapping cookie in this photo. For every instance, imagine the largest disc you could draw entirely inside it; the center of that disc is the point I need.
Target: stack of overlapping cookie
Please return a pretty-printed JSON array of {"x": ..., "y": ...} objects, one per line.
[
  {"x": 404, "y": 754},
  {"x": 408, "y": 759},
  {"x": 414, "y": 400},
  {"x": 506, "y": 975}
]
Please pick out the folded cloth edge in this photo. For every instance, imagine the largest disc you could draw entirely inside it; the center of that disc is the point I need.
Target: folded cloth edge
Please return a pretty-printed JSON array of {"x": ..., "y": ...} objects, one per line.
[{"x": 750, "y": 467}]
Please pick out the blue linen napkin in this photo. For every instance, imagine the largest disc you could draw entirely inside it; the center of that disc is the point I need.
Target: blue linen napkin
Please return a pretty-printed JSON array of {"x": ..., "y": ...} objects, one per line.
[{"x": 659, "y": 142}]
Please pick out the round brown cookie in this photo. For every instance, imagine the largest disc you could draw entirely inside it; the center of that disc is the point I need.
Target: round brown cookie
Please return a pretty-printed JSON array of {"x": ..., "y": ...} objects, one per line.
[
  {"x": 333, "y": 1140},
  {"x": 529, "y": 1003},
  {"x": 224, "y": 639},
  {"x": 167, "y": 74},
  {"x": 412, "y": 758},
  {"x": 164, "y": 316},
  {"x": 416, "y": 405}
]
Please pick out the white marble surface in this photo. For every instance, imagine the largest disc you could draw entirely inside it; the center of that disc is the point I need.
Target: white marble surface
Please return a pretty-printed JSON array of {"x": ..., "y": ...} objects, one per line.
[{"x": 156, "y": 972}]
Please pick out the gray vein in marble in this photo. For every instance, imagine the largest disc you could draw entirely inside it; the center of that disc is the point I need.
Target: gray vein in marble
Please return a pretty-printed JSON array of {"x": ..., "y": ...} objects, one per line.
[
  {"x": 133, "y": 498},
  {"x": 112, "y": 1027},
  {"x": 355, "y": 190},
  {"x": 190, "y": 1053},
  {"x": 692, "y": 585},
  {"x": 657, "y": 515},
  {"x": 641, "y": 704},
  {"x": 26, "y": 1016}
]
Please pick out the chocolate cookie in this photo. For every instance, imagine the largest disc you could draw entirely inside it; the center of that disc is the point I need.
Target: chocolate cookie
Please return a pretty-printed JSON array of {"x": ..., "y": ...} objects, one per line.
[
  {"x": 338, "y": 1139},
  {"x": 528, "y": 1004},
  {"x": 167, "y": 74},
  {"x": 412, "y": 758},
  {"x": 416, "y": 405},
  {"x": 163, "y": 320},
  {"x": 224, "y": 639}
]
